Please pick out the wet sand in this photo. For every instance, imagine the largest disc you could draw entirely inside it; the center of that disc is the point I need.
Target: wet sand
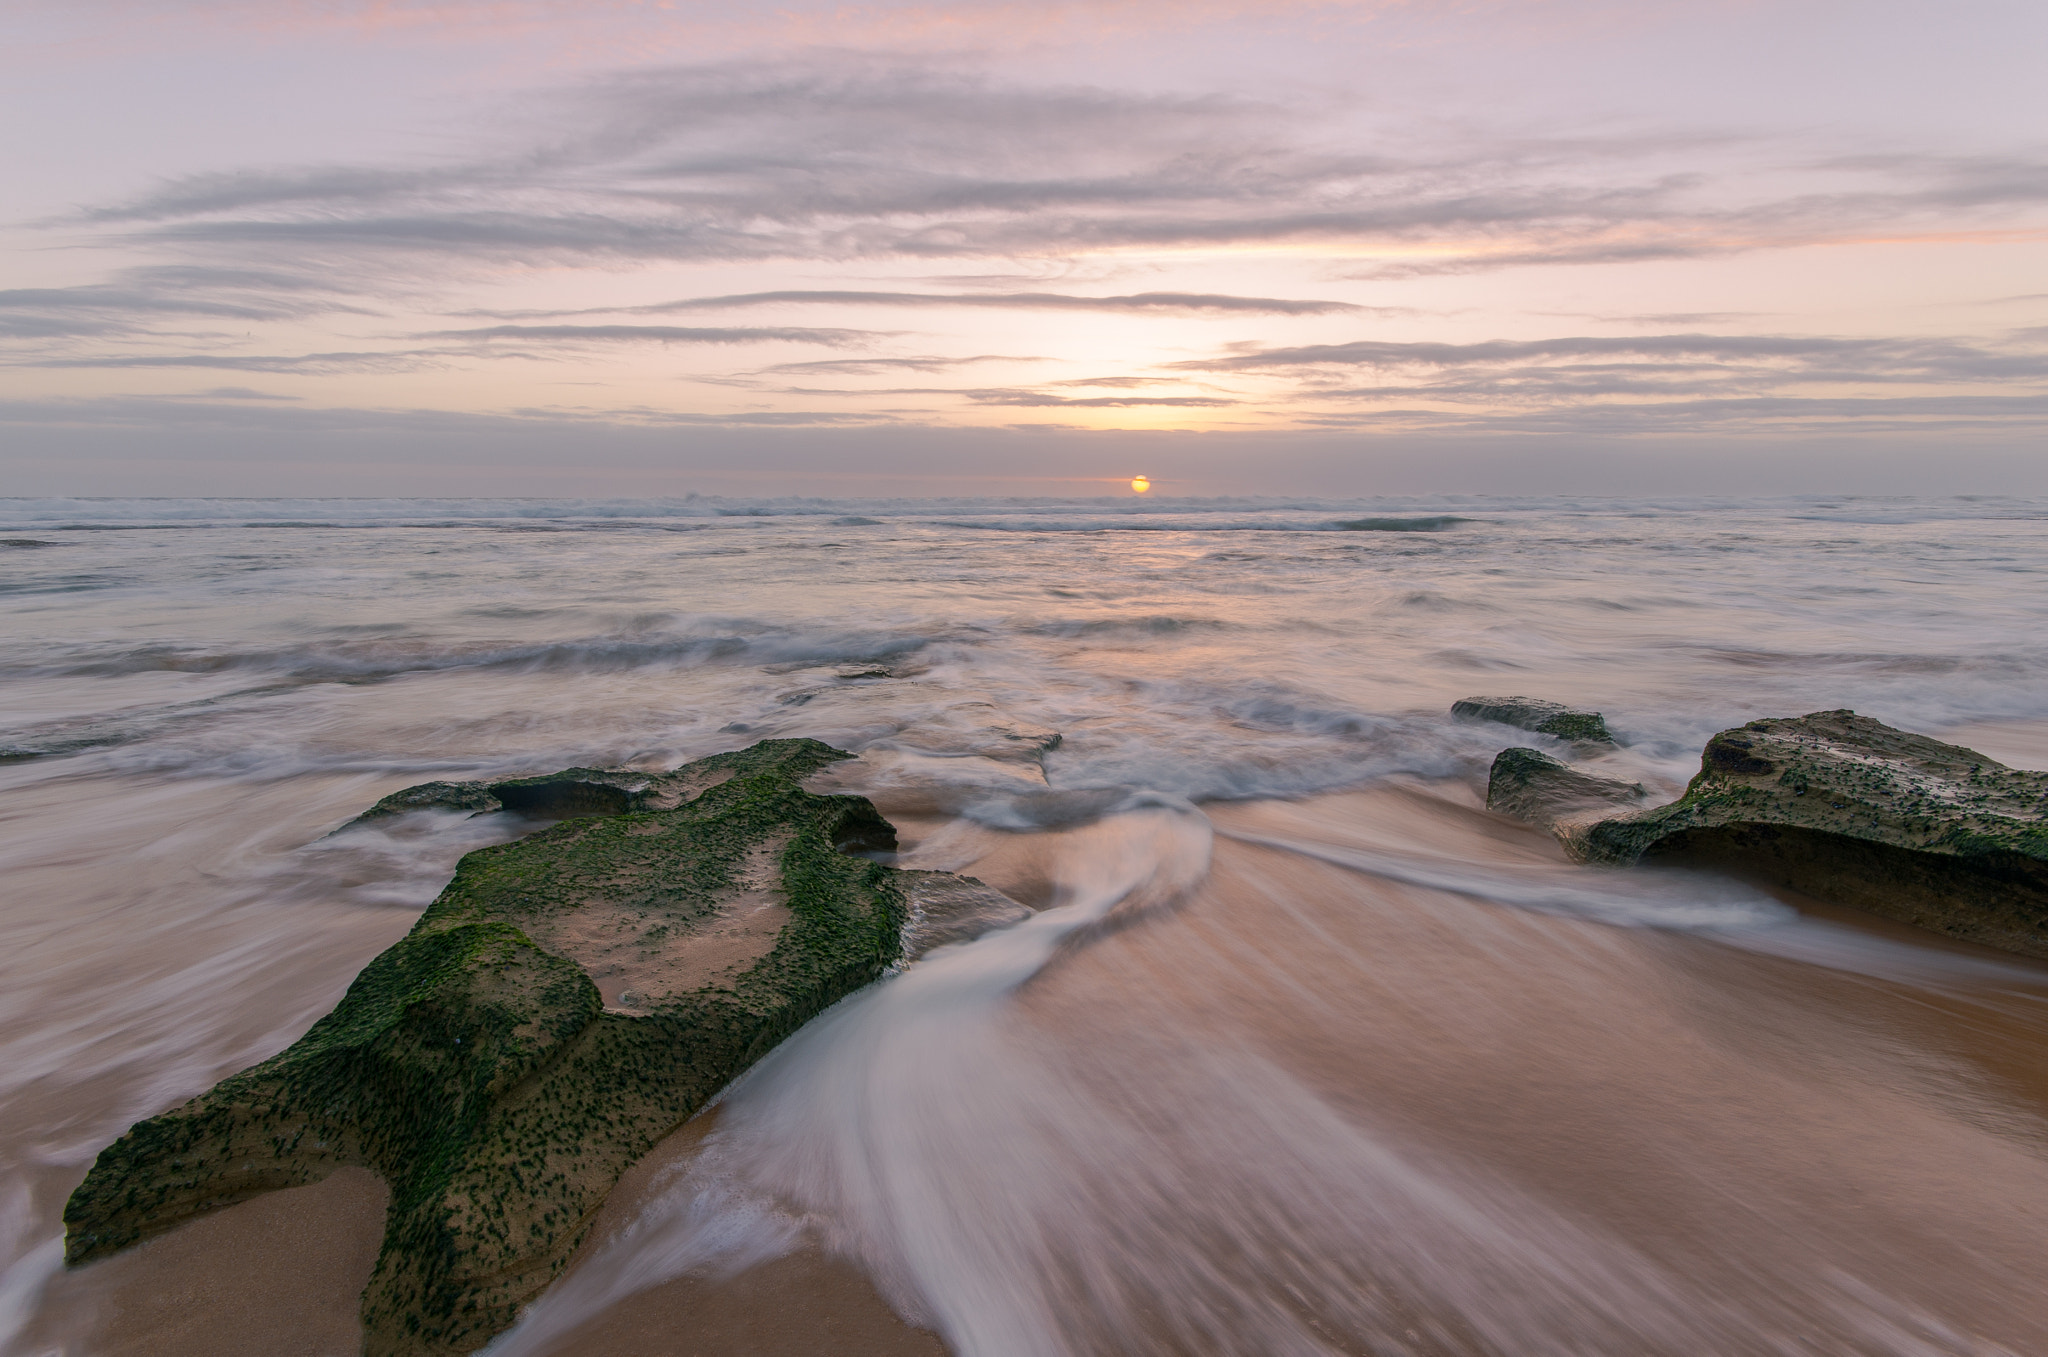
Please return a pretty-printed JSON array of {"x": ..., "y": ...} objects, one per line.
[
  {"x": 282, "y": 1276},
  {"x": 1296, "y": 1103},
  {"x": 277, "y": 1276},
  {"x": 804, "y": 1304}
]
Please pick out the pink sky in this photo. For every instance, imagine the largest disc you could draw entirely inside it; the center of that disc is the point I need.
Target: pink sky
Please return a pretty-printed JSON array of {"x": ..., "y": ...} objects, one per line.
[{"x": 646, "y": 247}]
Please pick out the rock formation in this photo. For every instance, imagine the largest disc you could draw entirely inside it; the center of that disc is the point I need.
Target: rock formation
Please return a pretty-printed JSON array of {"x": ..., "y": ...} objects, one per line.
[
  {"x": 1530, "y": 785},
  {"x": 569, "y": 794},
  {"x": 566, "y": 1002},
  {"x": 1530, "y": 713},
  {"x": 1851, "y": 810}
]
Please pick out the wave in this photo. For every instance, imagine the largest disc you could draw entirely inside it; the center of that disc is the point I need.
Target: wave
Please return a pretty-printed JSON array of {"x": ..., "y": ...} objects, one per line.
[
  {"x": 1158, "y": 625},
  {"x": 370, "y": 661},
  {"x": 1633, "y": 900},
  {"x": 1433, "y": 524},
  {"x": 1012, "y": 514}
]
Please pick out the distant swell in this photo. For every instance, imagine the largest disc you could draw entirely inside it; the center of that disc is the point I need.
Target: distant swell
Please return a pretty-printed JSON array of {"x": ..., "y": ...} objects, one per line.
[
  {"x": 1435, "y": 524},
  {"x": 367, "y": 663}
]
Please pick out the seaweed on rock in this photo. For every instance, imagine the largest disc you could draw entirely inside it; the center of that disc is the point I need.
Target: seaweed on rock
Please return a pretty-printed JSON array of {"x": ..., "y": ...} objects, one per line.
[
  {"x": 1533, "y": 713},
  {"x": 476, "y": 1066},
  {"x": 1852, "y": 810}
]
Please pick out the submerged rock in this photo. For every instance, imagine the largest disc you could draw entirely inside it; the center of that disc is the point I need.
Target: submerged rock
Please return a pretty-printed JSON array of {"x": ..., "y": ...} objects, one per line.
[
  {"x": 566, "y": 1002},
  {"x": 1531, "y": 785},
  {"x": 1849, "y": 809},
  {"x": 945, "y": 908},
  {"x": 1533, "y": 713}
]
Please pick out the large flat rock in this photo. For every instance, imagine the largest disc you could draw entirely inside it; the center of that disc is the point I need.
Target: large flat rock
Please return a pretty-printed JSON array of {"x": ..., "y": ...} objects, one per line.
[
  {"x": 1852, "y": 810},
  {"x": 567, "y": 1001}
]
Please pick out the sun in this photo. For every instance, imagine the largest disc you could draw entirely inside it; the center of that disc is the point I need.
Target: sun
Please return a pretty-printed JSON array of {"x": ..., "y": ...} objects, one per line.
[{"x": 1141, "y": 483}]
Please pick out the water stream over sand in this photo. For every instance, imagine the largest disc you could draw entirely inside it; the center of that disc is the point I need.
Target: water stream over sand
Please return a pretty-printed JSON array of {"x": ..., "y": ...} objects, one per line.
[{"x": 1302, "y": 1053}]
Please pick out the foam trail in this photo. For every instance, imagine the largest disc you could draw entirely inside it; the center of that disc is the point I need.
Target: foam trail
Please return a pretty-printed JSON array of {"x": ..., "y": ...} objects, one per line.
[
  {"x": 1728, "y": 910},
  {"x": 22, "y": 1283},
  {"x": 863, "y": 1110},
  {"x": 700, "y": 1227},
  {"x": 1702, "y": 902},
  {"x": 1153, "y": 1189}
]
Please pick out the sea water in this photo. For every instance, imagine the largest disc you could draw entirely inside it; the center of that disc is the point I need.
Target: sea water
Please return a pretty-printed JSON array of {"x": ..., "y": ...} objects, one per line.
[{"x": 1302, "y": 1051}]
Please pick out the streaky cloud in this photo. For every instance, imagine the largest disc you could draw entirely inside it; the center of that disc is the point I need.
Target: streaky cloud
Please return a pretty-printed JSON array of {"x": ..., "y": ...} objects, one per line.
[
  {"x": 1140, "y": 303},
  {"x": 305, "y": 364},
  {"x": 835, "y": 160},
  {"x": 143, "y": 296},
  {"x": 657, "y": 334},
  {"x": 1727, "y": 416},
  {"x": 867, "y": 367},
  {"x": 1007, "y": 396},
  {"x": 1928, "y": 357}
]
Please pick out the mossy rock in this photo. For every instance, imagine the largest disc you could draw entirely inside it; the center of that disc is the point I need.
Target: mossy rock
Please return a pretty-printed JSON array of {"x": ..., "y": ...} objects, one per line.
[
  {"x": 569, "y": 794},
  {"x": 480, "y": 1064},
  {"x": 1530, "y": 785},
  {"x": 1852, "y": 810},
  {"x": 1533, "y": 713}
]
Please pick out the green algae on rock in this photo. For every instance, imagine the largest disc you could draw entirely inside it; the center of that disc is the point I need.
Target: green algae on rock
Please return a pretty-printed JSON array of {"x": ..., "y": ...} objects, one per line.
[
  {"x": 571, "y": 793},
  {"x": 1849, "y": 809},
  {"x": 1530, "y": 785},
  {"x": 1533, "y": 713},
  {"x": 567, "y": 1001}
]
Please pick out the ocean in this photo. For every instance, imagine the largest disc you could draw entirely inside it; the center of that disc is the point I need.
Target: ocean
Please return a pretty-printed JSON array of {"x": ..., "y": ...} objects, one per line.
[{"x": 1302, "y": 1051}]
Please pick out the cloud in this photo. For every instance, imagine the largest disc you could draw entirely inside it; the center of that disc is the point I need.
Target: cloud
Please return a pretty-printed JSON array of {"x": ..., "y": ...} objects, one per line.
[
  {"x": 1661, "y": 318},
  {"x": 138, "y": 298},
  {"x": 869, "y": 367},
  {"x": 864, "y": 158},
  {"x": 654, "y": 334},
  {"x": 1123, "y": 383},
  {"x": 1008, "y": 396},
  {"x": 234, "y": 411},
  {"x": 645, "y": 415},
  {"x": 1745, "y": 416},
  {"x": 1815, "y": 358},
  {"x": 537, "y": 343},
  {"x": 1021, "y": 396},
  {"x": 1647, "y": 383},
  {"x": 1932, "y": 423},
  {"x": 234, "y": 393},
  {"x": 304, "y": 364},
  {"x": 1172, "y": 303},
  {"x": 844, "y": 158}
]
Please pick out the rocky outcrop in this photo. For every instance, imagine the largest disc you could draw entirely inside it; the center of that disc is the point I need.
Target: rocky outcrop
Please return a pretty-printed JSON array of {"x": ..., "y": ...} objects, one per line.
[
  {"x": 566, "y": 1001},
  {"x": 1852, "y": 810},
  {"x": 569, "y": 794},
  {"x": 1530, "y": 785},
  {"x": 1532, "y": 713}
]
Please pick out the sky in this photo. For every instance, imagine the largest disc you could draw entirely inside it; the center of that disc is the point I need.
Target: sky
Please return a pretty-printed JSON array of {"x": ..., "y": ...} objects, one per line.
[{"x": 1336, "y": 246}]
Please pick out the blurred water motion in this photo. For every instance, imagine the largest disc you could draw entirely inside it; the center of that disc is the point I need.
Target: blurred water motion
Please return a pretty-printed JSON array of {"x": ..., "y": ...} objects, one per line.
[{"x": 1358, "y": 1070}]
